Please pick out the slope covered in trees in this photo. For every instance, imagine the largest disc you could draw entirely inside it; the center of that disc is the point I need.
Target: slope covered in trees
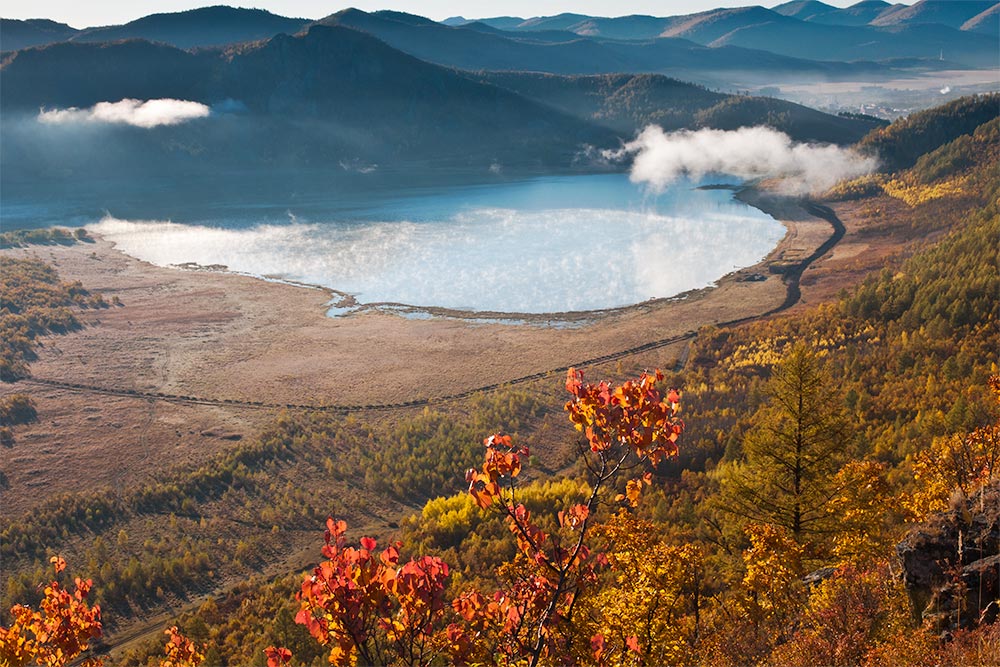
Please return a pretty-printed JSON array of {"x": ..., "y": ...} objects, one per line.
[
  {"x": 902, "y": 143},
  {"x": 629, "y": 102}
]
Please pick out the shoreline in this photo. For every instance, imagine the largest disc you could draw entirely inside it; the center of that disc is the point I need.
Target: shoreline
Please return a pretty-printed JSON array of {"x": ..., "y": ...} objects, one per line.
[
  {"x": 769, "y": 203},
  {"x": 773, "y": 205},
  {"x": 194, "y": 360}
]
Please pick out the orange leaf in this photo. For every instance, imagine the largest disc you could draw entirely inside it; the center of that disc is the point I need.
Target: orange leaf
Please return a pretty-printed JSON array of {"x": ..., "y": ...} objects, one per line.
[
  {"x": 633, "y": 491},
  {"x": 59, "y": 562},
  {"x": 597, "y": 646},
  {"x": 276, "y": 657}
]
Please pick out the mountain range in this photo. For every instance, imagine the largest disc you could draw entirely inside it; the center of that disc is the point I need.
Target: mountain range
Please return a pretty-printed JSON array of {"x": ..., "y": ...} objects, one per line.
[
  {"x": 567, "y": 53},
  {"x": 875, "y": 13},
  {"x": 382, "y": 97},
  {"x": 964, "y": 31},
  {"x": 959, "y": 31},
  {"x": 359, "y": 89},
  {"x": 326, "y": 93}
]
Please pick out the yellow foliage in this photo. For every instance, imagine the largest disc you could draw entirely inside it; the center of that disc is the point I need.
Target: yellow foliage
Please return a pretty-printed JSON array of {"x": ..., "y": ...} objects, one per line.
[
  {"x": 768, "y": 351},
  {"x": 774, "y": 570},
  {"x": 858, "y": 188},
  {"x": 452, "y": 512},
  {"x": 860, "y": 508},
  {"x": 655, "y": 585},
  {"x": 963, "y": 462},
  {"x": 849, "y": 615},
  {"x": 908, "y": 190}
]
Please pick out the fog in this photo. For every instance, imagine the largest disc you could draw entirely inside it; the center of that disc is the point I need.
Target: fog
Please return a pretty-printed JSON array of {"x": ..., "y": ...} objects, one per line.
[
  {"x": 483, "y": 258},
  {"x": 149, "y": 113},
  {"x": 659, "y": 158}
]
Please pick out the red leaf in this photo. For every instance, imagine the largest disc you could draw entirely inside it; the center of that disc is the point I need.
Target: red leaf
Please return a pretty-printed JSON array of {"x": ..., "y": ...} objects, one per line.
[
  {"x": 59, "y": 562},
  {"x": 597, "y": 645},
  {"x": 276, "y": 657}
]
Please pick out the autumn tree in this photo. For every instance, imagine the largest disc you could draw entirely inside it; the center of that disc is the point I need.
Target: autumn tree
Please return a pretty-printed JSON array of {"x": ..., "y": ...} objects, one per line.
[
  {"x": 58, "y": 632},
  {"x": 866, "y": 525},
  {"x": 962, "y": 462},
  {"x": 370, "y": 608},
  {"x": 646, "y": 610},
  {"x": 758, "y": 612},
  {"x": 795, "y": 446},
  {"x": 530, "y": 619},
  {"x": 179, "y": 651},
  {"x": 847, "y": 620}
]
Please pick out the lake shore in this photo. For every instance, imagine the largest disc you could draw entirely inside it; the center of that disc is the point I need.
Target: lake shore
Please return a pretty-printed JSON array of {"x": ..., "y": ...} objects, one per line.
[{"x": 237, "y": 339}]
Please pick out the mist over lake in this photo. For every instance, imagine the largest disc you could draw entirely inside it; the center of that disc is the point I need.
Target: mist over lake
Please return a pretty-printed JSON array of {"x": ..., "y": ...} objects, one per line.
[{"x": 544, "y": 245}]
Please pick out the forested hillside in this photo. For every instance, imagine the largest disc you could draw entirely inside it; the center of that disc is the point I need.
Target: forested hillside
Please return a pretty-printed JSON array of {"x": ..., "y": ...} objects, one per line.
[
  {"x": 627, "y": 103},
  {"x": 900, "y": 145},
  {"x": 761, "y": 529}
]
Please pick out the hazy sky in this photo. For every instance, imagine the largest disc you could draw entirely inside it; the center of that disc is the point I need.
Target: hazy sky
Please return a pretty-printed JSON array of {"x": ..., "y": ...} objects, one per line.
[{"x": 82, "y": 14}]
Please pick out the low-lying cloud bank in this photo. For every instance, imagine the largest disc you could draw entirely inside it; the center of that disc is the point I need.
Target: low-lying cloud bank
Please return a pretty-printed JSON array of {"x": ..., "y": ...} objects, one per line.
[
  {"x": 749, "y": 153},
  {"x": 139, "y": 113}
]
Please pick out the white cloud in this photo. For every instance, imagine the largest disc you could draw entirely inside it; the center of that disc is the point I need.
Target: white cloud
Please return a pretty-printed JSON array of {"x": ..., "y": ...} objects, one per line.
[
  {"x": 149, "y": 113},
  {"x": 750, "y": 152}
]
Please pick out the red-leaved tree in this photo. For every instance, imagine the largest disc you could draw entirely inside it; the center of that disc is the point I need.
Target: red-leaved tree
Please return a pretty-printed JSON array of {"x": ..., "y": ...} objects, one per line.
[
  {"x": 371, "y": 609},
  {"x": 530, "y": 619},
  {"x": 368, "y": 607},
  {"x": 58, "y": 632}
]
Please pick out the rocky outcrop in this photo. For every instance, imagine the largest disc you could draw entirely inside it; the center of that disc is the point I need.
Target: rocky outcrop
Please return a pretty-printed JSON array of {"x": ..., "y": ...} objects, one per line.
[{"x": 951, "y": 564}]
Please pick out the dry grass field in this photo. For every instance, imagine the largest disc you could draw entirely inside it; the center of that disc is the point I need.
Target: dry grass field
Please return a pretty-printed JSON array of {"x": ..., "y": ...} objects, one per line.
[{"x": 230, "y": 337}]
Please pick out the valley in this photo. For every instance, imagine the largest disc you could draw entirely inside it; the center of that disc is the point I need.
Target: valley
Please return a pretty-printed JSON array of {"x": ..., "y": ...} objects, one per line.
[{"x": 588, "y": 339}]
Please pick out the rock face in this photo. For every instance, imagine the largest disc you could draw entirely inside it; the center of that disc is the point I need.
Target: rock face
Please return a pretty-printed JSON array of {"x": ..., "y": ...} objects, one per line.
[{"x": 951, "y": 564}]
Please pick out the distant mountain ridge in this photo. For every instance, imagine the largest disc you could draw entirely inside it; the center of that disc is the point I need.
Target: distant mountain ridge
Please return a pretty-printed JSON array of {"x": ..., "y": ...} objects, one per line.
[
  {"x": 805, "y": 10},
  {"x": 15, "y": 34},
  {"x": 371, "y": 87},
  {"x": 331, "y": 75},
  {"x": 560, "y": 52},
  {"x": 808, "y": 29},
  {"x": 338, "y": 98},
  {"x": 802, "y": 29},
  {"x": 628, "y": 102},
  {"x": 205, "y": 27},
  {"x": 987, "y": 22},
  {"x": 843, "y": 43},
  {"x": 317, "y": 72},
  {"x": 953, "y": 13},
  {"x": 217, "y": 25}
]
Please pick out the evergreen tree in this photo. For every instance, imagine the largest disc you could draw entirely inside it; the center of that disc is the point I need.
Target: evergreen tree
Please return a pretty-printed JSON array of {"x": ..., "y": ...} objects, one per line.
[{"x": 792, "y": 453}]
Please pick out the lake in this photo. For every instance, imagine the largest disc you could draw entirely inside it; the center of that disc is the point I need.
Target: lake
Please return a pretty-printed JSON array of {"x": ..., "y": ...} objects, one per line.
[{"x": 541, "y": 245}]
